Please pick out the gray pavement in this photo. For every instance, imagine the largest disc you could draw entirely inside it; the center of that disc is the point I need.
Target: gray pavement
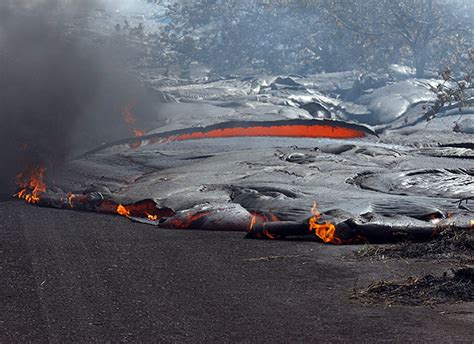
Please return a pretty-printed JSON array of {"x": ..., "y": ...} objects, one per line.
[{"x": 82, "y": 277}]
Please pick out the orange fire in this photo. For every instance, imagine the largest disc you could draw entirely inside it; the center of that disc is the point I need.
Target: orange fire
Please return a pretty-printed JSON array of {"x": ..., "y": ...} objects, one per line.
[
  {"x": 138, "y": 132},
  {"x": 30, "y": 181},
  {"x": 70, "y": 199},
  {"x": 262, "y": 218},
  {"x": 326, "y": 231},
  {"x": 253, "y": 221},
  {"x": 152, "y": 217},
  {"x": 130, "y": 119},
  {"x": 123, "y": 211},
  {"x": 128, "y": 116},
  {"x": 269, "y": 235}
]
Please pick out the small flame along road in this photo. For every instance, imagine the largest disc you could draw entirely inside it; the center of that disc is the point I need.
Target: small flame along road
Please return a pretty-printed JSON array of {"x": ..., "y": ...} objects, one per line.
[{"x": 82, "y": 277}]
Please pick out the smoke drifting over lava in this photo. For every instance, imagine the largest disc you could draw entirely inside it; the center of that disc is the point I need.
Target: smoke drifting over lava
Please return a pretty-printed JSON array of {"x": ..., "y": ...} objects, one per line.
[{"x": 57, "y": 90}]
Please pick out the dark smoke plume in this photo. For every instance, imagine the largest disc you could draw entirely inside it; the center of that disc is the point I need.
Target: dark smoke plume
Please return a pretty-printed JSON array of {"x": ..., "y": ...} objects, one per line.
[{"x": 58, "y": 89}]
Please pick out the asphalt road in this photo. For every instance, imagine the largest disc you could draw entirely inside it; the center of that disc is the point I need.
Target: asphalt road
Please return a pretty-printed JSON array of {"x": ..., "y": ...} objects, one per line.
[{"x": 80, "y": 277}]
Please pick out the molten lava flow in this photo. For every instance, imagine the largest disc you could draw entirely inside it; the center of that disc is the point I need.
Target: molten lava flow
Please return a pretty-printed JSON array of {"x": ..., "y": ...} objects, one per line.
[
  {"x": 31, "y": 185},
  {"x": 187, "y": 220},
  {"x": 325, "y": 231},
  {"x": 144, "y": 209},
  {"x": 308, "y": 131},
  {"x": 123, "y": 211},
  {"x": 262, "y": 219}
]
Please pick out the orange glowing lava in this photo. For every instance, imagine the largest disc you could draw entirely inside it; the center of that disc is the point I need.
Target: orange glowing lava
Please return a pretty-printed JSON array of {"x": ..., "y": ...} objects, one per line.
[
  {"x": 144, "y": 209},
  {"x": 325, "y": 231},
  {"x": 187, "y": 220},
  {"x": 307, "y": 131},
  {"x": 123, "y": 211},
  {"x": 30, "y": 181}
]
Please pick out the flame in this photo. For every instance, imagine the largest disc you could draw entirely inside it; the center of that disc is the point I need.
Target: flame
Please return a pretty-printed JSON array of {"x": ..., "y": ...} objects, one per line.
[
  {"x": 258, "y": 217},
  {"x": 130, "y": 119},
  {"x": 138, "y": 132},
  {"x": 127, "y": 114},
  {"x": 152, "y": 217},
  {"x": 30, "y": 181},
  {"x": 123, "y": 211},
  {"x": 144, "y": 209},
  {"x": 70, "y": 199},
  {"x": 326, "y": 231},
  {"x": 253, "y": 221}
]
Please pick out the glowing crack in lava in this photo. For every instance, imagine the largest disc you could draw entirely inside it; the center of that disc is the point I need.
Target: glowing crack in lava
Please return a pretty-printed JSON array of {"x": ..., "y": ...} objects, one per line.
[
  {"x": 259, "y": 218},
  {"x": 253, "y": 221},
  {"x": 31, "y": 185},
  {"x": 325, "y": 231},
  {"x": 287, "y": 128},
  {"x": 304, "y": 131},
  {"x": 274, "y": 229},
  {"x": 296, "y": 128},
  {"x": 145, "y": 209}
]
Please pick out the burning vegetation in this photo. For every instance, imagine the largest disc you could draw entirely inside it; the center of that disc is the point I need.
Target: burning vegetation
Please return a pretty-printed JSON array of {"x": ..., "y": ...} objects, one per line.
[
  {"x": 325, "y": 231},
  {"x": 130, "y": 119},
  {"x": 30, "y": 183}
]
